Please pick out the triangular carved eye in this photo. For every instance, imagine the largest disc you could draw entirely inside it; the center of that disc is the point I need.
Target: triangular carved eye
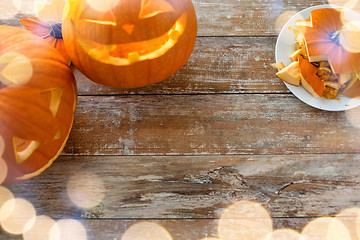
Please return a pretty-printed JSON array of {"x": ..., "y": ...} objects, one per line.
[
  {"x": 150, "y": 8},
  {"x": 57, "y": 135},
  {"x": 55, "y": 99},
  {"x": 23, "y": 149}
]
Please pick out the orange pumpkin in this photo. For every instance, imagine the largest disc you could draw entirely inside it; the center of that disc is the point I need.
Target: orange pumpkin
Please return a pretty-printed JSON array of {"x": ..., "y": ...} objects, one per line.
[
  {"x": 37, "y": 103},
  {"x": 129, "y": 43},
  {"x": 323, "y": 41}
]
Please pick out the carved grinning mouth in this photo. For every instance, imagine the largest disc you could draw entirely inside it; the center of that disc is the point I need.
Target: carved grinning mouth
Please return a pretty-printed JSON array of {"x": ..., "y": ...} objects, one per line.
[{"x": 129, "y": 53}]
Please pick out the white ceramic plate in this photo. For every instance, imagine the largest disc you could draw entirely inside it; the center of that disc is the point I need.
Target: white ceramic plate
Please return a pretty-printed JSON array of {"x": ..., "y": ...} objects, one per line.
[{"x": 285, "y": 45}]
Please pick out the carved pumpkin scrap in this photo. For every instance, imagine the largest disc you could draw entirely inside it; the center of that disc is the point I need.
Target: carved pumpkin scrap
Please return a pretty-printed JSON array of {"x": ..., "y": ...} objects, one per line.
[
  {"x": 323, "y": 41},
  {"x": 37, "y": 103},
  {"x": 309, "y": 78},
  {"x": 129, "y": 43}
]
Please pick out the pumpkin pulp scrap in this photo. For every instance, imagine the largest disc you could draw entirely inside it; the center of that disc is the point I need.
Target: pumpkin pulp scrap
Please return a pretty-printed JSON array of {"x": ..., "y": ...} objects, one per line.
[
  {"x": 328, "y": 67},
  {"x": 323, "y": 41},
  {"x": 309, "y": 78}
]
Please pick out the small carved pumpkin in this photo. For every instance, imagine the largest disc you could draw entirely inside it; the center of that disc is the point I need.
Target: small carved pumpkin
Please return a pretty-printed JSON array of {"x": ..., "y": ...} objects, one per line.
[
  {"x": 129, "y": 43},
  {"x": 37, "y": 103},
  {"x": 323, "y": 41}
]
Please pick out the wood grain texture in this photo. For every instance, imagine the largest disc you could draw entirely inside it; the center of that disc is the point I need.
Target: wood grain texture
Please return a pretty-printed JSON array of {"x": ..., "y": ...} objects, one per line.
[
  {"x": 221, "y": 130},
  {"x": 237, "y": 18},
  {"x": 208, "y": 124},
  {"x": 217, "y": 65},
  {"x": 178, "y": 229},
  {"x": 193, "y": 187}
]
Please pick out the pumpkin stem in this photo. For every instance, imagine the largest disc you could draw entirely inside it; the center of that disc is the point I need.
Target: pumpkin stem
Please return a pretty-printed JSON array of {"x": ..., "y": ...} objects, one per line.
[
  {"x": 335, "y": 37},
  {"x": 55, "y": 30}
]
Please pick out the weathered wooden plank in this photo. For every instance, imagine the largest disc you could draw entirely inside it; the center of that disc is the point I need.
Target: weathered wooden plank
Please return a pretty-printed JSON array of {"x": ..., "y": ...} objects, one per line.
[
  {"x": 188, "y": 187},
  {"x": 236, "y": 18},
  {"x": 208, "y": 124},
  {"x": 217, "y": 65},
  {"x": 225, "y": 18},
  {"x": 177, "y": 229},
  {"x": 199, "y": 229}
]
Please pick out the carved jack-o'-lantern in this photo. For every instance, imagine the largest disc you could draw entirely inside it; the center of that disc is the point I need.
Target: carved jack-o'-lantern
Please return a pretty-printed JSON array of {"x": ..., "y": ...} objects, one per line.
[
  {"x": 37, "y": 103},
  {"x": 129, "y": 43}
]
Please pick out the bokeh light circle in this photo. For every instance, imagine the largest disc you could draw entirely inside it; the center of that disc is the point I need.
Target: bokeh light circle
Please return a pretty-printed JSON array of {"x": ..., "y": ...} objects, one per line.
[
  {"x": 3, "y": 170},
  {"x": 284, "y": 234},
  {"x": 210, "y": 238},
  {"x": 17, "y": 69},
  {"x": 282, "y": 19},
  {"x": 353, "y": 116},
  {"x": 103, "y": 5},
  {"x": 2, "y": 146},
  {"x": 5, "y": 196},
  {"x": 245, "y": 220},
  {"x": 345, "y": 3},
  {"x": 66, "y": 229},
  {"x": 3, "y": 164},
  {"x": 19, "y": 217},
  {"x": 146, "y": 231},
  {"x": 350, "y": 217},
  {"x": 350, "y": 35},
  {"x": 328, "y": 228},
  {"x": 38, "y": 5},
  {"x": 86, "y": 190},
  {"x": 10, "y": 8},
  {"x": 41, "y": 229}
]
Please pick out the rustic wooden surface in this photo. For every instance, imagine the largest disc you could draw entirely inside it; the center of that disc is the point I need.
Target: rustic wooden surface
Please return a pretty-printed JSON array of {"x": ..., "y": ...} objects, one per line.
[{"x": 221, "y": 130}]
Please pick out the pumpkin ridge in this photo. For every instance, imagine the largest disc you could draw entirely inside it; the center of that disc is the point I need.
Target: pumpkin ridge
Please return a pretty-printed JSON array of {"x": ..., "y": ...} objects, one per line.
[
  {"x": 40, "y": 107},
  {"x": 25, "y": 112}
]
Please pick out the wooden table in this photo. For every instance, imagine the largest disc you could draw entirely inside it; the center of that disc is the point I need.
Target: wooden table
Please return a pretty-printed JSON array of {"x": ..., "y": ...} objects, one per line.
[{"x": 223, "y": 129}]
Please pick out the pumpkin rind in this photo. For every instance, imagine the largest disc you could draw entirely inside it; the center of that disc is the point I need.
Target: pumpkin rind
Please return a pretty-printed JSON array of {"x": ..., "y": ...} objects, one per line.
[
  {"x": 310, "y": 81},
  {"x": 128, "y": 46},
  {"x": 353, "y": 89},
  {"x": 36, "y": 115}
]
